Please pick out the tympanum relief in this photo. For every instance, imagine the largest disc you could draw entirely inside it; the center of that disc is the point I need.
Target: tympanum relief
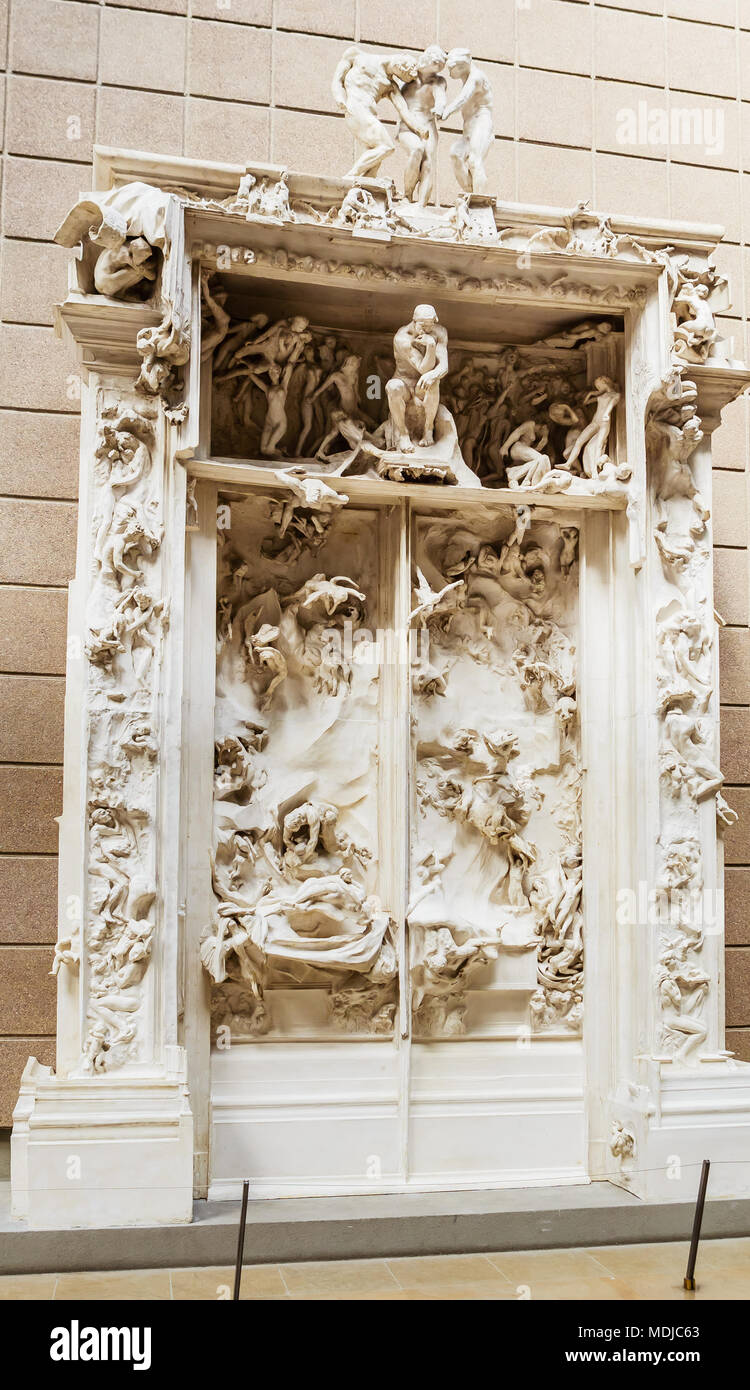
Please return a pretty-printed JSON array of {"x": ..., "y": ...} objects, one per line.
[
  {"x": 411, "y": 409},
  {"x": 495, "y": 918},
  {"x": 300, "y": 938}
]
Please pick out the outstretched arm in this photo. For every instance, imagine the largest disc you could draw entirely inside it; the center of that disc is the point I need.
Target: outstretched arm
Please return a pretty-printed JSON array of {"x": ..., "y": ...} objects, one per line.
[
  {"x": 324, "y": 385},
  {"x": 466, "y": 91}
]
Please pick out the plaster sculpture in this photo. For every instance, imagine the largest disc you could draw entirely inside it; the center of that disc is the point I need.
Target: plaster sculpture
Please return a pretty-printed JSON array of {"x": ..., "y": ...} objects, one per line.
[
  {"x": 126, "y": 620},
  {"x": 458, "y": 1032},
  {"x": 689, "y": 773},
  {"x": 360, "y": 81},
  {"x": 417, "y": 90},
  {"x": 128, "y": 226},
  {"x": 420, "y": 435},
  {"x": 295, "y": 889},
  {"x": 163, "y": 350},
  {"x": 474, "y": 101},
  {"x": 292, "y": 392},
  {"x": 425, "y": 97},
  {"x": 497, "y": 904}
]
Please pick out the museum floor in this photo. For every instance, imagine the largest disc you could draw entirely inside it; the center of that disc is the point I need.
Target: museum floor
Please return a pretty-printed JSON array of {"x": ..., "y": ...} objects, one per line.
[{"x": 614, "y": 1272}]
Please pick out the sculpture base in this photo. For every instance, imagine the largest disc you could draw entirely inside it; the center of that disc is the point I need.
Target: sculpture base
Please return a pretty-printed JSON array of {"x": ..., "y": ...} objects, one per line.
[
  {"x": 703, "y": 1112},
  {"x": 104, "y": 1150},
  {"x": 440, "y": 462}
]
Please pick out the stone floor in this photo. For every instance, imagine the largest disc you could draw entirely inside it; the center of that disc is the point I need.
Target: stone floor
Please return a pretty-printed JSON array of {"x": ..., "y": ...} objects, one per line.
[{"x": 619, "y": 1272}]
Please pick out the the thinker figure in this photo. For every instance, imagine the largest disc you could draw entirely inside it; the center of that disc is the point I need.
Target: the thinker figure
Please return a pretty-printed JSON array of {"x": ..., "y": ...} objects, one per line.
[
  {"x": 475, "y": 101},
  {"x": 360, "y": 81},
  {"x": 420, "y": 350}
]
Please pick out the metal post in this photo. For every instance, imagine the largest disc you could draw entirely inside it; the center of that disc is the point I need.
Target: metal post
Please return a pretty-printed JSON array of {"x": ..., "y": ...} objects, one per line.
[
  {"x": 241, "y": 1241},
  {"x": 689, "y": 1280}
]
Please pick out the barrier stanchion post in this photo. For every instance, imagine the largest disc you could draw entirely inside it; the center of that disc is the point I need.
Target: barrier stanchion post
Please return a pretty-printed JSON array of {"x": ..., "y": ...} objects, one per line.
[
  {"x": 689, "y": 1280},
  {"x": 241, "y": 1241}
]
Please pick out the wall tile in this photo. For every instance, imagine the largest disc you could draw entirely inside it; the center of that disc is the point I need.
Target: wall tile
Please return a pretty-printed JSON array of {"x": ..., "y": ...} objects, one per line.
[
  {"x": 37, "y": 370},
  {"x": 228, "y": 131},
  {"x": 29, "y": 996},
  {"x": 230, "y": 61},
  {"x": 327, "y": 16},
  {"x": 737, "y": 906},
  {"x": 635, "y": 186},
  {"x": 316, "y": 144},
  {"x": 28, "y": 900},
  {"x": 30, "y": 798},
  {"x": 701, "y": 58},
  {"x": 141, "y": 49},
  {"x": 738, "y": 986},
  {"x": 735, "y": 744},
  {"x": 55, "y": 37},
  {"x": 738, "y": 1042},
  {"x": 38, "y": 454},
  {"x": 629, "y": 46},
  {"x": 234, "y": 11},
  {"x": 642, "y": 6},
  {"x": 570, "y": 98},
  {"x": 706, "y": 195},
  {"x": 628, "y": 122},
  {"x": 139, "y": 120},
  {"x": 731, "y": 441},
  {"x": 704, "y": 130},
  {"x": 729, "y": 508},
  {"x": 728, "y": 258},
  {"x": 485, "y": 27},
  {"x": 303, "y": 68},
  {"x": 737, "y": 837},
  {"x": 38, "y": 193},
  {"x": 558, "y": 177},
  {"x": 34, "y": 279},
  {"x": 718, "y": 11},
  {"x": 734, "y": 666},
  {"x": 392, "y": 23},
  {"x": 33, "y": 630},
  {"x": 14, "y": 1054},
  {"x": 731, "y": 585},
  {"x": 31, "y": 719},
  {"x": 37, "y": 542},
  {"x": 554, "y": 34},
  {"x": 171, "y": 6},
  {"x": 51, "y": 119}
]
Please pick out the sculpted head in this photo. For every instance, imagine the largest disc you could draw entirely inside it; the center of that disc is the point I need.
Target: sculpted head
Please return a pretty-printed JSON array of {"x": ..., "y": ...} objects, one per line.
[
  {"x": 432, "y": 61},
  {"x": 424, "y": 316},
  {"x": 458, "y": 63},
  {"x": 403, "y": 66}
]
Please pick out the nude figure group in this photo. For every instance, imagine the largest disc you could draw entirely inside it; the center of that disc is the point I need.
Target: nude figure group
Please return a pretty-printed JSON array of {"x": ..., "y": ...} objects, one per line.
[{"x": 418, "y": 92}]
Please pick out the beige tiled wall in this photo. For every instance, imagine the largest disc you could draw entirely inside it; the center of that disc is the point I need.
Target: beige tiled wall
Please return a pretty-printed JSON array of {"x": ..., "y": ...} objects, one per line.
[{"x": 249, "y": 79}]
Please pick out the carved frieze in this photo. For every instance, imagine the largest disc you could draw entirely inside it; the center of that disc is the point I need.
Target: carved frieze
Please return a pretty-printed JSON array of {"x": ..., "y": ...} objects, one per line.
[{"x": 126, "y": 617}]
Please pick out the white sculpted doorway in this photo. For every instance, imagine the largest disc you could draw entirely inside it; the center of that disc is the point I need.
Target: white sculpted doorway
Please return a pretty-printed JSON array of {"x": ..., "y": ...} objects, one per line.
[{"x": 396, "y": 945}]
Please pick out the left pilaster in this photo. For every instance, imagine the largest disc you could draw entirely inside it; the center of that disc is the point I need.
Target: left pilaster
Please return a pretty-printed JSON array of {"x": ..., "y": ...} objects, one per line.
[{"x": 106, "y": 1139}]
